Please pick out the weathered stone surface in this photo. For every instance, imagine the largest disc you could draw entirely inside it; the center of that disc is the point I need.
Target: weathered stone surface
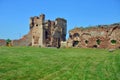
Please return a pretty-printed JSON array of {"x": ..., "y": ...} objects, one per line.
[
  {"x": 47, "y": 33},
  {"x": 95, "y": 37},
  {"x": 2, "y": 42},
  {"x": 63, "y": 44},
  {"x": 44, "y": 33},
  {"x": 24, "y": 41}
]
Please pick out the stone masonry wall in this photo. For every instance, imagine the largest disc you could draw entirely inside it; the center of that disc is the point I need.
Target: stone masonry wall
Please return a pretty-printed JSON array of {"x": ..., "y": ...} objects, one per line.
[
  {"x": 2, "y": 42},
  {"x": 24, "y": 41},
  {"x": 102, "y": 36},
  {"x": 43, "y": 33}
]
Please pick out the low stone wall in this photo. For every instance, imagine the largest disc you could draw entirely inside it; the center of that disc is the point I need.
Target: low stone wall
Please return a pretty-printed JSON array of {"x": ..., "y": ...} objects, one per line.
[
  {"x": 24, "y": 41},
  {"x": 2, "y": 42},
  {"x": 63, "y": 44}
]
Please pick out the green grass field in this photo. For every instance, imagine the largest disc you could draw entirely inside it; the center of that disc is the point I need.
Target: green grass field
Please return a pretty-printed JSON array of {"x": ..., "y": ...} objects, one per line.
[{"x": 30, "y": 63}]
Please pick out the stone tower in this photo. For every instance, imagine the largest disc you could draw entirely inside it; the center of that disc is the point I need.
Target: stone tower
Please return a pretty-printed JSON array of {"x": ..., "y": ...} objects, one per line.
[
  {"x": 47, "y": 33},
  {"x": 60, "y": 22},
  {"x": 36, "y": 28}
]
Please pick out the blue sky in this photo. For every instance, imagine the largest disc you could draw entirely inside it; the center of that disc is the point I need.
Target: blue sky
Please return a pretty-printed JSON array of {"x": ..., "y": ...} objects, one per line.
[{"x": 15, "y": 14}]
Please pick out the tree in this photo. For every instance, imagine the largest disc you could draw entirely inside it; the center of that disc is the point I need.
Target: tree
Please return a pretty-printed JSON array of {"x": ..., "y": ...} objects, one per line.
[
  {"x": 8, "y": 42},
  {"x": 98, "y": 41}
]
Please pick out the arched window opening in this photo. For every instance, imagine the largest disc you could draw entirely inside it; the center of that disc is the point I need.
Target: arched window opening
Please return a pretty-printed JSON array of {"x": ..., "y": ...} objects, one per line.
[
  {"x": 36, "y": 24},
  {"x": 76, "y": 35},
  {"x": 75, "y": 43},
  {"x": 46, "y": 35},
  {"x": 113, "y": 41},
  {"x": 86, "y": 41},
  {"x": 70, "y": 36},
  {"x": 98, "y": 41},
  {"x": 94, "y": 46}
]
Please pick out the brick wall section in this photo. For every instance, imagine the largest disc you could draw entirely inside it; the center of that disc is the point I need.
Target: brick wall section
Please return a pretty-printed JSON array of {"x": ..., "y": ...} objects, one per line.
[
  {"x": 88, "y": 37},
  {"x": 43, "y": 33},
  {"x": 24, "y": 41},
  {"x": 2, "y": 42}
]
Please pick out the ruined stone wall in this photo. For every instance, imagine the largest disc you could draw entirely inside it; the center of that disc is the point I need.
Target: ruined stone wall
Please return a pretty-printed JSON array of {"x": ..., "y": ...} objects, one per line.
[
  {"x": 37, "y": 31},
  {"x": 2, "y": 42},
  {"x": 44, "y": 33},
  {"x": 62, "y": 23},
  {"x": 95, "y": 37},
  {"x": 47, "y": 33},
  {"x": 26, "y": 40}
]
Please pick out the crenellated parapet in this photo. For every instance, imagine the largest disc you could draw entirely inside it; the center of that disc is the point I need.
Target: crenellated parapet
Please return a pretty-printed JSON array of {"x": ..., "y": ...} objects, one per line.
[{"x": 37, "y": 21}]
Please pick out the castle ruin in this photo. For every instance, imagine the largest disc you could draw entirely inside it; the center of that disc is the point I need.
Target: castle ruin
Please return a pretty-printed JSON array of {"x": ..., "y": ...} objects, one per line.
[
  {"x": 44, "y": 33},
  {"x": 102, "y": 36},
  {"x": 47, "y": 33}
]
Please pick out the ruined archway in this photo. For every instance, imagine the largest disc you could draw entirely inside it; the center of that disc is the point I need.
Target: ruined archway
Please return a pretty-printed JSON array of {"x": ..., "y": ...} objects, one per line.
[
  {"x": 86, "y": 41},
  {"x": 98, "y": 41},
  {"x": 113, "y": 41},
  {"x": 76, "y": 35},
  {"x": 46, "y": 35},
  {"x": 75, "y": 43},
  {"x": 95, "y": 46}
]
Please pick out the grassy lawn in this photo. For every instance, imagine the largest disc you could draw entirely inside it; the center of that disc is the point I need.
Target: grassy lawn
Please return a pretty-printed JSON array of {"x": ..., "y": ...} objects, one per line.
[{"x": 30, "y": 63}]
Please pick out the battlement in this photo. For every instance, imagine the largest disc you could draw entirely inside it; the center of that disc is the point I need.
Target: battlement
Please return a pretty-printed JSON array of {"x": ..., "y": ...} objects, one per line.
[
  {"x": 61, "y": 19},
  {"x": 42, "y": 16},
  {"x": 45, "y": 32}
]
